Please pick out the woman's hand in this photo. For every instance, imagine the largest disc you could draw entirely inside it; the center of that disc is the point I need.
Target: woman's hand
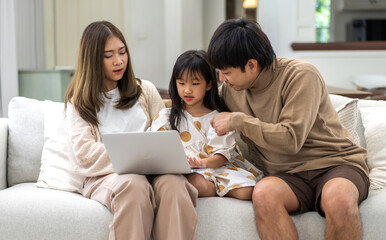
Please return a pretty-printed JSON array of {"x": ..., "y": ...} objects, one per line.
[{"x": 197, "y": 163}]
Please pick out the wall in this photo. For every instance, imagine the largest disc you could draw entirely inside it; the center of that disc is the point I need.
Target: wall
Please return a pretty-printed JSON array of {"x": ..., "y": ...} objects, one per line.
[
  {"x": 339, "y": 67},
  {"x": 146, "y": 39},
  {"x": 286, "y": 22},
  {"x": 157, "y": 31},
  {"x": 69, "y": 19},
  {"x": 213, "y": 16}
]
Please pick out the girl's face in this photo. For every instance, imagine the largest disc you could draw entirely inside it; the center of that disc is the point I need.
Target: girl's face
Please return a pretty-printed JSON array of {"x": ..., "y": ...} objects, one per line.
[
  {"x": 115, "y": 62},
  {"x": 192, "y": 89}
]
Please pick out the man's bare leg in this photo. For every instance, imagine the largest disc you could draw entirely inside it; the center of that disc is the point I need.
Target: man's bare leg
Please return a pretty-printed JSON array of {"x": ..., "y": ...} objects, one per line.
[
  {"x": 272, "y": 200},
  {"x": 339, "y": 202}
]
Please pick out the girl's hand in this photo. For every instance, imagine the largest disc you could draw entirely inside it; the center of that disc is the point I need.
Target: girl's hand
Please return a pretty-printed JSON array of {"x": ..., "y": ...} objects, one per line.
[{"x": 196, "y": 163}]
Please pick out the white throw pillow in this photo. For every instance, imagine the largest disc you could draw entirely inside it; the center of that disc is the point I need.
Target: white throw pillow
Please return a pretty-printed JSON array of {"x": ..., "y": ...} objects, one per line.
[
  {"x": 374, "y": 122},
  {"x": 55, "y": 170},
  {"x": 348, "y": 117}
]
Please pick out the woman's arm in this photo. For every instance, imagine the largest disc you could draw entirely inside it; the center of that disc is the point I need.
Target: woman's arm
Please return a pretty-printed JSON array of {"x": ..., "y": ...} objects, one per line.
[{"x": 87, "y": 154}]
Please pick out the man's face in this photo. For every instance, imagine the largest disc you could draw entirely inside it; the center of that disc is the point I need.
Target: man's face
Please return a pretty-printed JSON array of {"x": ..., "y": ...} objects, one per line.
[{"x": 237, "y": 79}]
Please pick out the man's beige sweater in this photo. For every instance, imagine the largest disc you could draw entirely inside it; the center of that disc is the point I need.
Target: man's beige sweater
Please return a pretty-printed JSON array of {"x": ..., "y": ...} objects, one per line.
[{"x": 289, "y": 122}]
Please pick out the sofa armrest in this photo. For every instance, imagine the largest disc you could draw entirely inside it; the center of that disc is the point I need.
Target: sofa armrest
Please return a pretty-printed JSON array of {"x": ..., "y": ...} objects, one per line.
[{"x": 3, "y": 152}]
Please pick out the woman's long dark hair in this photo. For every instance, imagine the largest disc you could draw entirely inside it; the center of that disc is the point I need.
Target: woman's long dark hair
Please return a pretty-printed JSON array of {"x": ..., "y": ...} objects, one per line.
[
  {"x": 85, "y": 89},
  {"x": 193, "y": 62}
]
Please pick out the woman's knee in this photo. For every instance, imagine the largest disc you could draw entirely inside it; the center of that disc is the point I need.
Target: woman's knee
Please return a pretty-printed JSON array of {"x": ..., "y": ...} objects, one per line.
[
  {"x": 129, "y": 185},
  {"x": 171, "y": 185}
]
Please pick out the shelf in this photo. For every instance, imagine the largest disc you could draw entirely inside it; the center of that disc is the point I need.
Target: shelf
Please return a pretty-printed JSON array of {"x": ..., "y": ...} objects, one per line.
[
  {"x": 44, "y": 84},
  {"x": 333, "y": 46}
]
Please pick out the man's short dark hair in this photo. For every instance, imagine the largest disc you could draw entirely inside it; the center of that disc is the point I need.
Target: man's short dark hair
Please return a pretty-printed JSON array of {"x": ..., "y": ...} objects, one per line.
[{"x": 236, "y": 41}]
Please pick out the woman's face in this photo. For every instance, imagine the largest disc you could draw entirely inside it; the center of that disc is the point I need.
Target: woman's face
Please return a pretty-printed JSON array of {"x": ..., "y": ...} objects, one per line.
[{"x": 115, "y": 62}]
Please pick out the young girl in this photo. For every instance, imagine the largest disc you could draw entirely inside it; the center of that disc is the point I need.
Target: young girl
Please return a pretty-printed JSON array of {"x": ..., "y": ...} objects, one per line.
[
  {"x": 194, "y": 94},
  {"x": 104, "y": 96}
]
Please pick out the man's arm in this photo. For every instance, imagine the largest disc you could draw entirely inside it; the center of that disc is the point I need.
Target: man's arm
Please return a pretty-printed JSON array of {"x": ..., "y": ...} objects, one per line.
[{"x": 301, "y": 102}]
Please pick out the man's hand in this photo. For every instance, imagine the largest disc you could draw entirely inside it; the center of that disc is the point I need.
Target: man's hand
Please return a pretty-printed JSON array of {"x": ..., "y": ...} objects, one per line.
[
  {"x": 196, "y": 163},
  {"x": 220, "y": 123}
]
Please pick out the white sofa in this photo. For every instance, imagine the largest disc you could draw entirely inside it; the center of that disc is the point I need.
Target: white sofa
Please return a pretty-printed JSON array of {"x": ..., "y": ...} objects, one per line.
[{"x": 28, "y": 212}]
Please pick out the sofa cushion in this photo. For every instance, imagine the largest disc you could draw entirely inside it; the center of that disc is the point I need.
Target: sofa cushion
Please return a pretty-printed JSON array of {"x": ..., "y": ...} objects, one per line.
[
  {"x": 25, "y": 139},
  {"x": 374, "y": 121},
  {"x": 35, "y": 213},
  {"x": 348, "y": 117},
  {"x": 55, "y": 170},
  {"x": 337, "y": 102},
  {"x": 229, "y": 218}
]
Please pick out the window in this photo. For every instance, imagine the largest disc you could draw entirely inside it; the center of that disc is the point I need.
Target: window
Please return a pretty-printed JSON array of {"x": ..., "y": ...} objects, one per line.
[{"x": 322, "y": 15}]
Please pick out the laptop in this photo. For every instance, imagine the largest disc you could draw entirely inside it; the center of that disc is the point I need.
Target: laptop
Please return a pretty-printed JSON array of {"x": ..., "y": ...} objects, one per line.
[{"x": 146, "y": 153}]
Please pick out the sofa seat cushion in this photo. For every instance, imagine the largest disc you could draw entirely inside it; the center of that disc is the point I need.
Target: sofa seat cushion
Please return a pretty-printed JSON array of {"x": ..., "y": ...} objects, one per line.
[
  {"x": 28, "y": 212},
  {"x": 217, "y": 215},
  {"x": 373, "y": 212}
]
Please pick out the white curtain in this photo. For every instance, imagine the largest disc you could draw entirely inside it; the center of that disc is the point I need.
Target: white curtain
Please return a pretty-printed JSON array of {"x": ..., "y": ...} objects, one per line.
[
  {"x": 30, "y": 41},
  {"x": 8, "y": 60}
]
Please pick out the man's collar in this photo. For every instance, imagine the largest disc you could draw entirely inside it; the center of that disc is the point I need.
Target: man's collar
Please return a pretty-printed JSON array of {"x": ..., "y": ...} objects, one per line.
[{"x": 264, "y": 79}]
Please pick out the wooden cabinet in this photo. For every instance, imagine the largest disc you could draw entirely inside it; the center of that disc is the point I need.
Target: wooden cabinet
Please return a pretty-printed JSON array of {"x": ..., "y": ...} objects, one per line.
[
  {"x": 363, "y": 4},
  {"x": 44, "y": 84}
]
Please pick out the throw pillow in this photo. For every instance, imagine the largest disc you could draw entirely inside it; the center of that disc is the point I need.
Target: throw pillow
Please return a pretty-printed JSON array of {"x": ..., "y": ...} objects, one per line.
[
  {"x": 55, "y": 170},
  {"x": 373, "y": 119},
  {"x": 348, "y": 116},
  {"x": 26, "y": 124}
]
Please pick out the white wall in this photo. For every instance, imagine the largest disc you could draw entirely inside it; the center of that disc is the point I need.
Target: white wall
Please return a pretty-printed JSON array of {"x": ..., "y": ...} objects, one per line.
[
  {"x": 213, "y": 16},
  {"x": 339, "y": 67},
  {"x": 192, "y": 24},
  {"x": 70, "y": 19},
  {"x": 146, "y": 39},
  {"x": 157, "y": 31},
  {"x": 286, "y": 22}
]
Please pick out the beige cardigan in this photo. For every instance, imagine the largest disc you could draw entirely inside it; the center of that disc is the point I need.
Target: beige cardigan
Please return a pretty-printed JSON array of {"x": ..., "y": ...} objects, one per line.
[{"x": 88, "y": 156}]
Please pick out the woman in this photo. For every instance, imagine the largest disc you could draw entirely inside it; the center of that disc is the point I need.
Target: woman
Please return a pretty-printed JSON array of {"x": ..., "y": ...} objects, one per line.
[{"x": 104, "y": 96}]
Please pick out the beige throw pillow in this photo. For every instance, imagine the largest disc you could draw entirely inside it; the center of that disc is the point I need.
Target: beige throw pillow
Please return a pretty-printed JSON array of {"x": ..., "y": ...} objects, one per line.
[
  {"x": 348, "y": 116},
  {"x": 374, "y": 122},
  {"x": 55, "y": 170}
]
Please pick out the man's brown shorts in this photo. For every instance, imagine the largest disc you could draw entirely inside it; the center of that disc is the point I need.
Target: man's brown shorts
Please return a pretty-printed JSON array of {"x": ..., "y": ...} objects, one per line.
[{"x": 308, "y": 185}]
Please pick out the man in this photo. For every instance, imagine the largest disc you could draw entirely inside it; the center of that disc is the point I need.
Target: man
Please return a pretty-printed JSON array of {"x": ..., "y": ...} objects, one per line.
[{"x": 282, "y": 109}]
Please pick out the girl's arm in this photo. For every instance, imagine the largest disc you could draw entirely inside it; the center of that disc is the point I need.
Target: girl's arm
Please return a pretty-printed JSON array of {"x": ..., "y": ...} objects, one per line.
[{"x": 215, "y": 161}]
